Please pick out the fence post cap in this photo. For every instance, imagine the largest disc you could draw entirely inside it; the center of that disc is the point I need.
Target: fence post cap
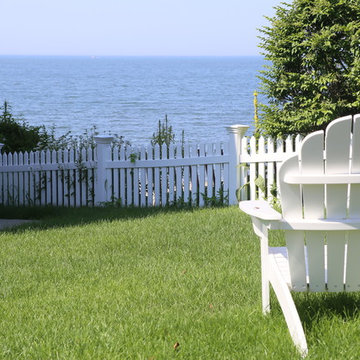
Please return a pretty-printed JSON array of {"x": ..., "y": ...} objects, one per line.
[
  {"x": 103, "y": 139},
  {"x": 237, "y": 129}
]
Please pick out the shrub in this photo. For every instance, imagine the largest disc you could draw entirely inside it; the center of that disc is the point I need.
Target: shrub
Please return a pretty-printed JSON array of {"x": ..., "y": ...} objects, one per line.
[{"x": 314, "y": 75}]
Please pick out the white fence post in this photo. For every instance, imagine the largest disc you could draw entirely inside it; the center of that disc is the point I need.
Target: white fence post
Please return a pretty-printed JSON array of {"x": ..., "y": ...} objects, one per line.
[
  {"x": 236, "y": 134},
  {"x": 102, "y": 174}
]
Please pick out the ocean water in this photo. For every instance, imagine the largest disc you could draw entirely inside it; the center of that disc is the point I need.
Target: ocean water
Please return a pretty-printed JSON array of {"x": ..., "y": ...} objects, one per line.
[{"x": 128, "y": 95}]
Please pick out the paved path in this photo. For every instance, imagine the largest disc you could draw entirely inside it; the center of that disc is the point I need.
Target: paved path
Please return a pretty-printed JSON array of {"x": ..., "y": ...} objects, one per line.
[{"x": 8, "y": 223}]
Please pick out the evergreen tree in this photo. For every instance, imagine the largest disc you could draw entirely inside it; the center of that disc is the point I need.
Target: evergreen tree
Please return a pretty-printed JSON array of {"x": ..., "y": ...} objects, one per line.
[{"x": 314, "y": 74}]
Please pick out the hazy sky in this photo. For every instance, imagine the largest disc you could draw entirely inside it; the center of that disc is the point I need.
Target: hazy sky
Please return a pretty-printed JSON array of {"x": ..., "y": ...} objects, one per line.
[{"x": 132, "y": 27}]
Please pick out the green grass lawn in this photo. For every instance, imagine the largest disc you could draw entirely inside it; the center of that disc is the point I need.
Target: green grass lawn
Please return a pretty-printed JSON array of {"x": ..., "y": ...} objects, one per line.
[{"x": 130, "y": 284}]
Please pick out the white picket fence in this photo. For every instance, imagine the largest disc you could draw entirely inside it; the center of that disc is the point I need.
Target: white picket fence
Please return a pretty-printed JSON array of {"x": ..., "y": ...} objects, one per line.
[
  {"x": 147, "y": 176},
  {"x": 260, "y": 160}
]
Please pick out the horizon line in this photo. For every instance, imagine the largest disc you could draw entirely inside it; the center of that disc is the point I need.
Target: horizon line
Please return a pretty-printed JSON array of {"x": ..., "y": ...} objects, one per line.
[{"x": 98, "y": 56}]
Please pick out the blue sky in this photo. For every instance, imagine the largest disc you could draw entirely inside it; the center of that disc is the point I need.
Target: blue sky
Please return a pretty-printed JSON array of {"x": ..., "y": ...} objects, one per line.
[{"x": 132, "y": 27}]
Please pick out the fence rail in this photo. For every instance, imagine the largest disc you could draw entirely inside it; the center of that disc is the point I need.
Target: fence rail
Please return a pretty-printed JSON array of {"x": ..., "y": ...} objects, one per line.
[{"x": 147, "y": 176}]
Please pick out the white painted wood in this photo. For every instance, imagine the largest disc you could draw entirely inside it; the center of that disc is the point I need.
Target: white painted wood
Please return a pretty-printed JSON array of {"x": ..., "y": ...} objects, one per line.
[
  {"x": 186, "y": 171},
  {"x": 252, "y": 170},
  {"x": 143, "y": 183},
  {"x": 31, "y": 194},
  {"x": 270, "y": 170},
  {"x": 289, "y": 144},
  {"x": 323, "y": 179},
  {"x": 209, "y": 172},
  {"x": 282, "y": 156},
  {"x": 136, "y": 188},
  {"x": 129, "y": 179},
  {"x": 37, "y": 183},
  {"x": 353, "y": 261},
  {"x": 337, "y": 161},
  {"x": 48, "y": 175},
  {"x": 315, "y": 242},
  {"x": 178, "y": 170},
  {"x": 53, "y": 180},
  {"x": 122, "y": 179},
  {"x": 5, "y": 180},
  {"x": 72, "y": 179},
  {"x": 157, "y": 178},
  {"x": 194, "y": 175},
  {"x": 217, "y": 172},
  {"x": 312, "y": 164},
  {"x": 316, "y": 225},
  {"x": 296, "y": 257},
  {"x": 171, "y": 175},
  {"x": 354, "y": 203},
  {"x": 164, "y": 178},
  {"x": 298, "y": 140},
  {"x": 261, "y": 166},
  {"x": 21, "y": 180},
  {"x": 226, "y": 176},
  {"x": 10, "y": 181},
  {"x": 288, "y": 307},
  {"x": 201, "y": 177},
  {"x": 290, "y": 194},
  {"x": 243, "y": 168},
  {"x": 335, "y": 260},
  {"x": 259, "y": 209},
  {"x": 15, "y": 177}
]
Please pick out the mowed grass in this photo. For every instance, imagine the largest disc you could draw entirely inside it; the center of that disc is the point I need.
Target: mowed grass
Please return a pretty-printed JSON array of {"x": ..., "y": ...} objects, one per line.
[{"x": 152, "y": 284}]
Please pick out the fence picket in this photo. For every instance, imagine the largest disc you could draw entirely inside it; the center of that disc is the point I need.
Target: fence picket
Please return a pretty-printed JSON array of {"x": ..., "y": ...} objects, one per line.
[
  {"x": 142, "y": 179},
  {"x": 186, "y": 172},
  {"x": 15, "y": 180},
  {"x": 122, "y": 180},
  {"x": 279, "y": 150},
  {"x": 179, "y": 182},
  {"x": 157, "y": 177},
  {"x": 202, "y": 177},
  {"x": 171, "y": 175},
  {"x": 164, "y": 175},
  {"x": 270, "y": 170},
  {"x": 129, "y": 176},
  {"x": 225, "y": 166},
  {"x": 194, "y": 175},
  {"x": 217, "y": 172},
  {"x": 252, "y": 169},
  {"x": 150, "y": 174},
  {"x": 261, "y": 167},
  {"x": 136, "y": 189}
]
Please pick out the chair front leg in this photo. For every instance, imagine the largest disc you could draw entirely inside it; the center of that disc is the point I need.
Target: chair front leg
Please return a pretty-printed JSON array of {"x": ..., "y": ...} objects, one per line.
[{"x": 260, "y": 229}]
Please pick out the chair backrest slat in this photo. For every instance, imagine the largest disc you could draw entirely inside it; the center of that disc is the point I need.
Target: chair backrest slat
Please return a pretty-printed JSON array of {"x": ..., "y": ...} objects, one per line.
[
  {"x": 291, "y": 204},
  {"x": 312, "y": 163},
  {"x": 337, "y": 147},
  {"x": 354, "y": 203}
]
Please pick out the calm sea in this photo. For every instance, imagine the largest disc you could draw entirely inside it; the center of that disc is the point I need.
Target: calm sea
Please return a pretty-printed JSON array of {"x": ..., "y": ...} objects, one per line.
[{"x": 128, "y": 95}]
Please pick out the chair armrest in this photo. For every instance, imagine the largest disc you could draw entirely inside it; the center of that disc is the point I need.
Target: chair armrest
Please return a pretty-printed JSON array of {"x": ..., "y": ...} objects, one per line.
[{"x": 259, "y": 209}]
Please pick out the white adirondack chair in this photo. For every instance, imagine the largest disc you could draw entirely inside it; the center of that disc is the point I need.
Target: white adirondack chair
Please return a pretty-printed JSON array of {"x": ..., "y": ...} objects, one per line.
[{"x": 320, "y": 200}]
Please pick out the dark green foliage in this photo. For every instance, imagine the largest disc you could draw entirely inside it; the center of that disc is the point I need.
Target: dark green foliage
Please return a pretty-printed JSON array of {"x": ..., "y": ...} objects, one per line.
[
  {"x": 17, "y": 135},
  {"x": 314, "y": 76},
  {"x": 164, "y": 134}
]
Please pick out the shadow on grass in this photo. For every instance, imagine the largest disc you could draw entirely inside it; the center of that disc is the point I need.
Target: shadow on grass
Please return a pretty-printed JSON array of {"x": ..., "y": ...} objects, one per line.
[
  {"x": 313, "y": 307},
  {"x": 52, "y": 217}
]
